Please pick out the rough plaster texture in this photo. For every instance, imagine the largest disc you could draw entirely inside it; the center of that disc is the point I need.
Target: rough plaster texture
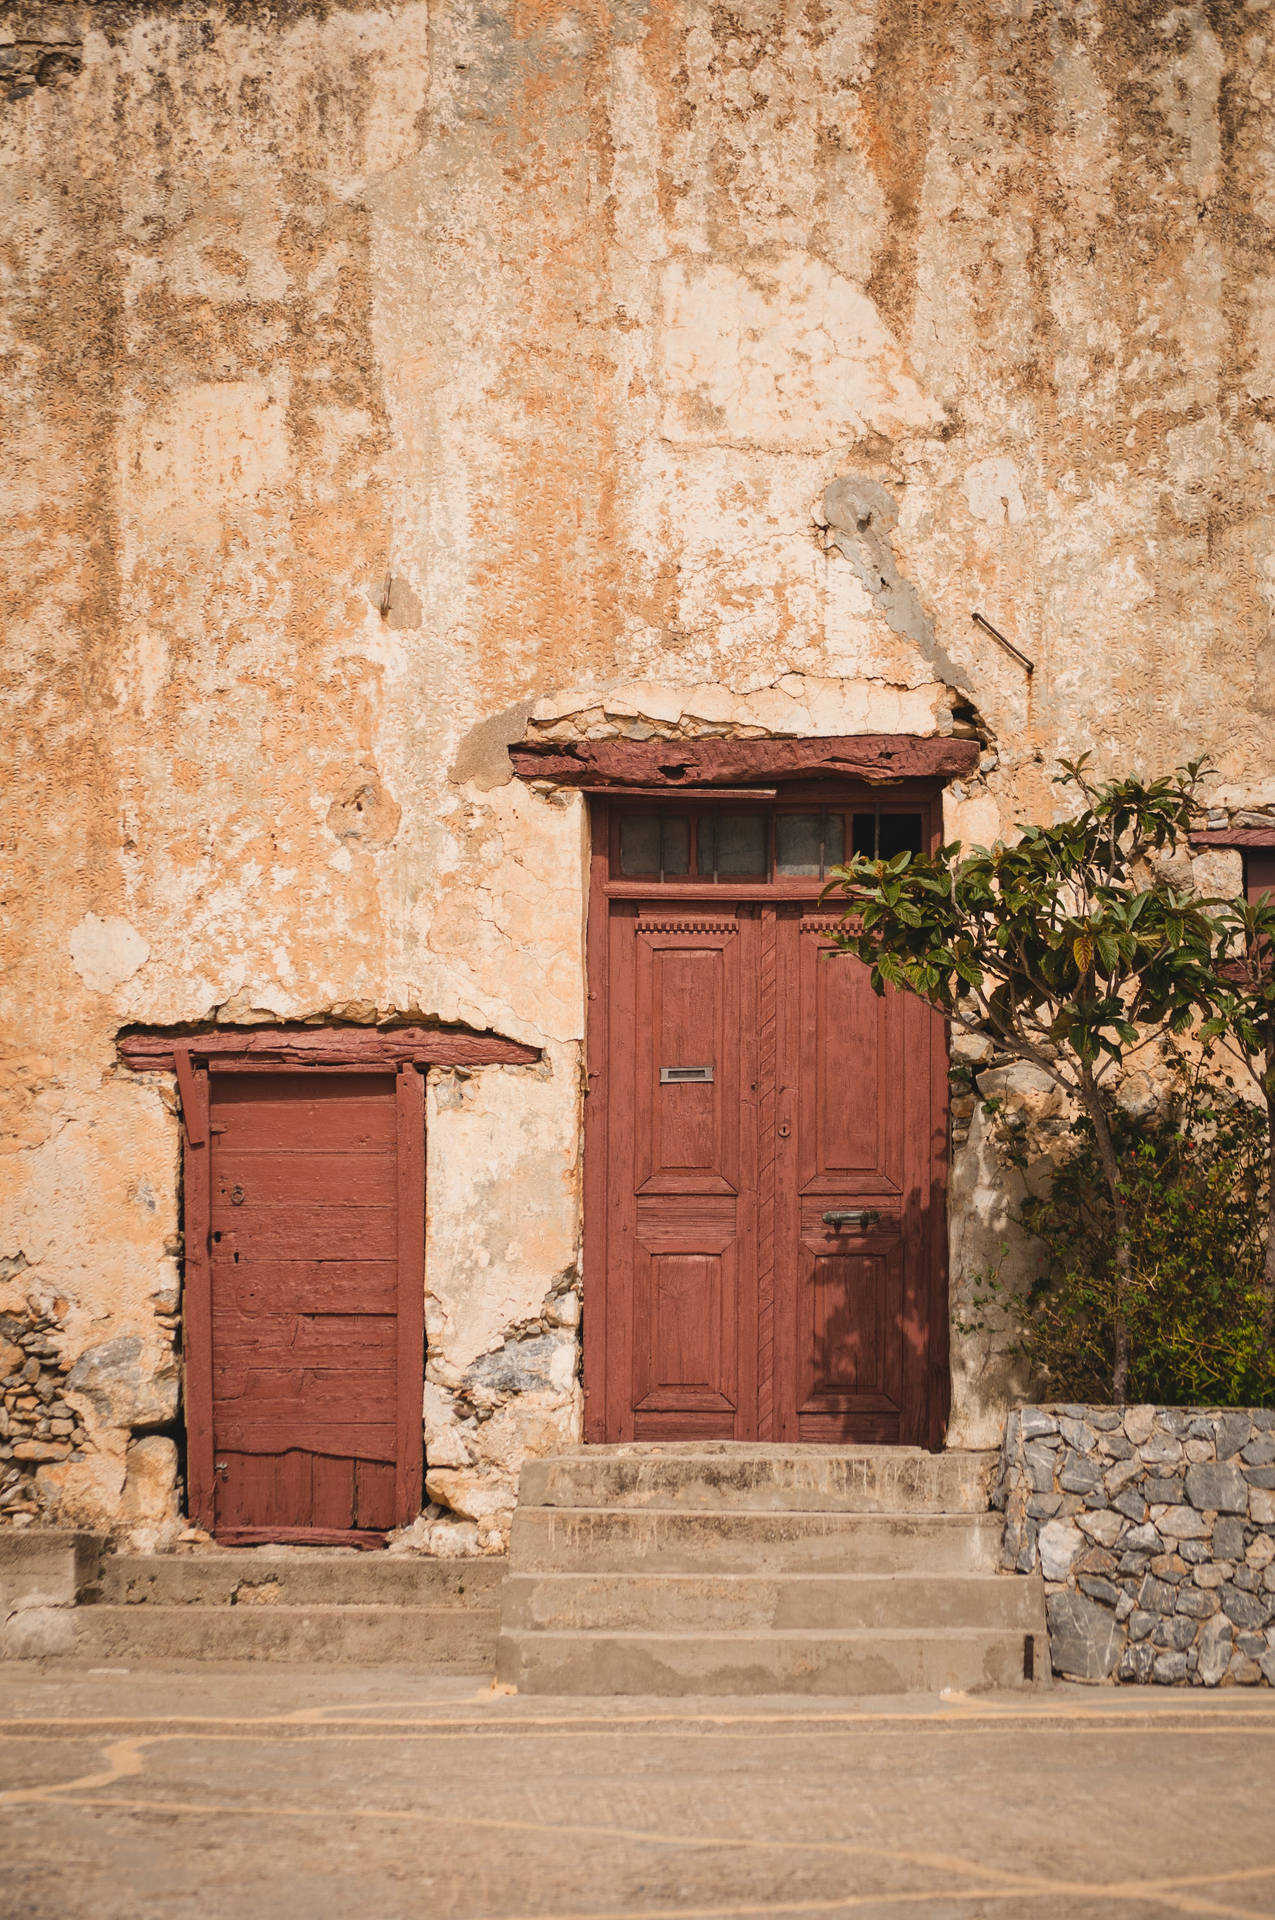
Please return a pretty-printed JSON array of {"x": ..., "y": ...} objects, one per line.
[{"x": 376, "y": 372}]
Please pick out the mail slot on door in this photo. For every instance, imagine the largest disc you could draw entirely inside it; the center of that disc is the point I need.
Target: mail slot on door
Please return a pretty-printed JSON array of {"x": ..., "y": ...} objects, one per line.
[{"x": 685, "y": 1076}]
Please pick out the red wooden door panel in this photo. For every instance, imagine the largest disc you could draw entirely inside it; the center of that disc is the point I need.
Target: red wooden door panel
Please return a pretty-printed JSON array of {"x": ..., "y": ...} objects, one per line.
[
  {"x": 856, "y": 1090},
  {"x": 682, "y": 1182},
  {"x": 315, "y": 1239}
]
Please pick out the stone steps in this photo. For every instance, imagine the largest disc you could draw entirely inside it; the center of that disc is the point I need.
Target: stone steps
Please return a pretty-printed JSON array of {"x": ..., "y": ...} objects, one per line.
[
  {"x": 750, "y": 1603},
  {"x": 65, "y": 1596},
  {"x": 729, "y": 1477},
  {"x": 621, "y": 1540},
  {"x": 292, "y": 1604},
  {"x": 43, "y": 1573},
  {"x": 298, "y": 1576},
  {"x": 763, "y": 1570},
  {"x": 875, "y": 1661},
  {"x": 457, "y": 1639}
]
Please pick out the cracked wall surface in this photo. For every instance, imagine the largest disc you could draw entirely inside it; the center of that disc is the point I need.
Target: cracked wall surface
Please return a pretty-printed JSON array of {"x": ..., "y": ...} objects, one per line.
[{"x": 387, "y": 382}]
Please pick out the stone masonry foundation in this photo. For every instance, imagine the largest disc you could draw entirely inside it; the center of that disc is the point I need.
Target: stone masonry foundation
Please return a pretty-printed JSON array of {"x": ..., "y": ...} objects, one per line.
[{"x": 1154, "y": 1528}]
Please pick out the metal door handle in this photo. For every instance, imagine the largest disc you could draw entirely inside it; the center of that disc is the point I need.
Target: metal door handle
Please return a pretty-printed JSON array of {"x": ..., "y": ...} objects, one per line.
[{"x": 858, "y": 1217}]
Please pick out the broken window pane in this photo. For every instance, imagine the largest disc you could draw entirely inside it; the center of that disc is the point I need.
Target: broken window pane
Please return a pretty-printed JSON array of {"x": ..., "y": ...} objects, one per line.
[
  {"x": 899, "y": 833},
  {"x": 879, "y": 836}
]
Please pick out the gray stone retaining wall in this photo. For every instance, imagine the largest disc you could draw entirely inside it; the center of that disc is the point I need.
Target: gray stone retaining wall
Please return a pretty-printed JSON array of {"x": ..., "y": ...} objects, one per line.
[{"x": 1154, "y": 1528}]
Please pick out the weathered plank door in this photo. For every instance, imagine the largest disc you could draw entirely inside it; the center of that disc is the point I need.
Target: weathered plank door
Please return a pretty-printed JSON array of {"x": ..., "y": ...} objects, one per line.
[
  {"x": 304, "y": 1387},
  {"x": 765, "y": 1148}
]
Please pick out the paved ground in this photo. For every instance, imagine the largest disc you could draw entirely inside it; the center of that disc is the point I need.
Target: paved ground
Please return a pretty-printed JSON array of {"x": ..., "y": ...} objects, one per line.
[{"x": 262, "y": 1791}]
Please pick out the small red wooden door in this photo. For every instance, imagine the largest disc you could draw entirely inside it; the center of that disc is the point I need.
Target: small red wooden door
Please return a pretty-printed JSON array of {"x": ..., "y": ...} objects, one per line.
[
  {"x": 764, "y": 1153},
  {"x": 315, "y": 1236}
]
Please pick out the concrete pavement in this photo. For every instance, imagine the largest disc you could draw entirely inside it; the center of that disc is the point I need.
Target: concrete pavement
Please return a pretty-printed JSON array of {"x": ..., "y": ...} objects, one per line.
[{"x": 234, "y": 1792}]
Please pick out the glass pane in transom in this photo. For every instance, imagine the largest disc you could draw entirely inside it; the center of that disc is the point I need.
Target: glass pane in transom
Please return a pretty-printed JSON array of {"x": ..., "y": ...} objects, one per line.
[
  {"x": 656, "y": 844},
  {"x": 899, "y": 833},
  {"x": 733, "y": 846},
  {"x": 675, "y": 843},
  {"x": 640, "y": 843},
  {"x": 799, "y": 844},
  {"x": 880, "y": 835}
]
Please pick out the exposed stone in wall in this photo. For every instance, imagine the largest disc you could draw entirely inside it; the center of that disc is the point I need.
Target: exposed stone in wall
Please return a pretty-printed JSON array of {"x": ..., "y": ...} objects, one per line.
[
  {"x": 38, "y": 1424},
  {"x": 1154, "y": 1528},
  {"x": 43, "y": 47}
]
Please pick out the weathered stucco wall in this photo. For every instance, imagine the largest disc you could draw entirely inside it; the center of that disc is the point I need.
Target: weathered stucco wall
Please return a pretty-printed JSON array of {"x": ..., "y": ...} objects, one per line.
[{"x": 387, "y": 380}]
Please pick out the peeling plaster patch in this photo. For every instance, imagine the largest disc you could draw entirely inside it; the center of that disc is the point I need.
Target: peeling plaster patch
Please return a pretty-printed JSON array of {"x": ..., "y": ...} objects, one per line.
[
  {"x": 481, "y": 760},
  {"x": 860, "y": 515},
  {"x": 107, "y": 952},
  {"x": 995, "y": 493},
  {"x": 788, "y": 355},
  {"x": 364, "y": 812},
  {"x": 794, "y": 705},
  {"x": 399, "y": 605}
]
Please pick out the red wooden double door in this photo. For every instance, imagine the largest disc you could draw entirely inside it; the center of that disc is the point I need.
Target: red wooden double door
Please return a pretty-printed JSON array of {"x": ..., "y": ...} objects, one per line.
[{"x": 766, "y": 1144}]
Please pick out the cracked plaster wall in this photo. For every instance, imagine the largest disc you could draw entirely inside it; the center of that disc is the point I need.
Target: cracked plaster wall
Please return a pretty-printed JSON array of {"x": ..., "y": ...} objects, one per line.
[{"x": 384, "y": 380}]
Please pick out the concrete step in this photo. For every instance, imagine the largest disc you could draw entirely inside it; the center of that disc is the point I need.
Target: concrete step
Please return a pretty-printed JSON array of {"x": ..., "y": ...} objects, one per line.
[
  {"x": 296, "y": 1576},
  {"x": 741, "y": 1602},
  {"x": 674, "y": 1540},
  {"x": 44, "y": 1572},
  {"x": 876, "y": 1661},
  {"x": 458, "y": 1639},
  {"x": 727, "y": 1476}
]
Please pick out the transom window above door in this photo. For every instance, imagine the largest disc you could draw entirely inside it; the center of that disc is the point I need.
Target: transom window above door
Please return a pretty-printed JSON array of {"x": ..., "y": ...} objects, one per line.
[{"x": 728, "y": 843}]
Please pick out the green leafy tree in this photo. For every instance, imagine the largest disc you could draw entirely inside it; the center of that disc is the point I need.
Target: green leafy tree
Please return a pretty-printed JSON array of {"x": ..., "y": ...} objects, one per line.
[
  {"x": 1244, "y": 1018},
  {"x": 1072, "y": 947},
  {"x": 1192, "y": 1175}
]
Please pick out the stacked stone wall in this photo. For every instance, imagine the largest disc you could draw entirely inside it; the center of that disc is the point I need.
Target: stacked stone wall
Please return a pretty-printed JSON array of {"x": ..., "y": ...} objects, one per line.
[
  {"x": 1154, "y": 1528},
  {"x": 38, "y": 1426}
]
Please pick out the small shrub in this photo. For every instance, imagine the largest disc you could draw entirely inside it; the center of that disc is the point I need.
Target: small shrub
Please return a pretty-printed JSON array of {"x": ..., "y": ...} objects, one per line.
[{"x": 1193, "y": 1182}]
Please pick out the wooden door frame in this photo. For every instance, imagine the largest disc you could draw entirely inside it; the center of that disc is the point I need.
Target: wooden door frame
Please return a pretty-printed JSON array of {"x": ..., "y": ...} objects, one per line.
[
  {"x": 403, "y": 1052},
  {"x": 817, "y": 783}
]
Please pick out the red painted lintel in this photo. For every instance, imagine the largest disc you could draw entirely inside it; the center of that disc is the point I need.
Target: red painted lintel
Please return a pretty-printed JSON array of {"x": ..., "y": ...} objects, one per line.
[
  {"x": 325, "y": 1046},
  {"x": 670, "y": 765}
]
